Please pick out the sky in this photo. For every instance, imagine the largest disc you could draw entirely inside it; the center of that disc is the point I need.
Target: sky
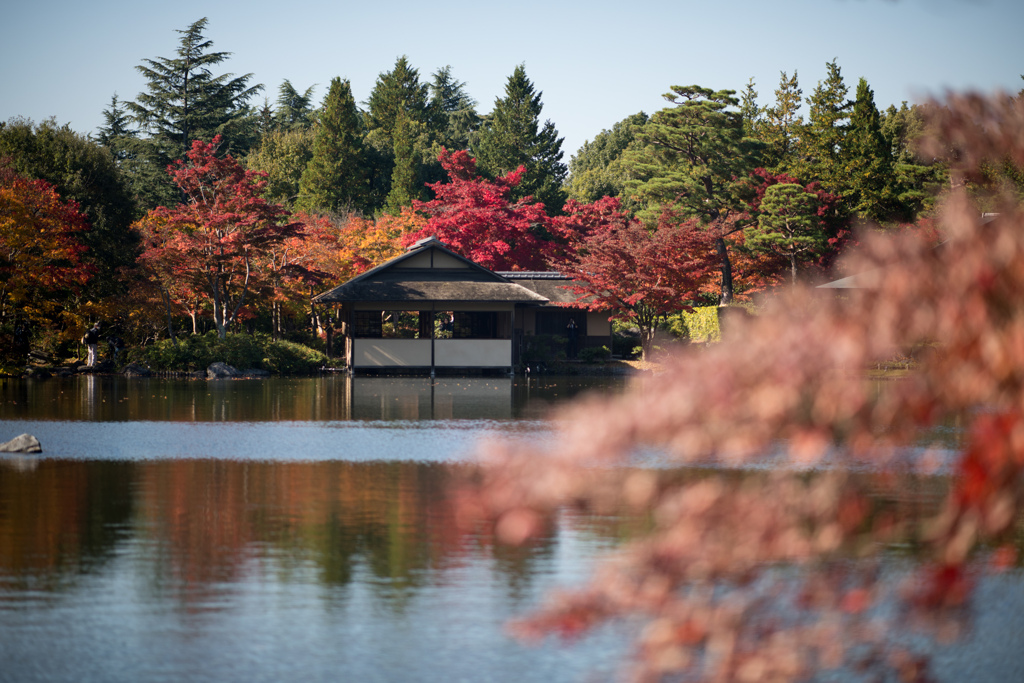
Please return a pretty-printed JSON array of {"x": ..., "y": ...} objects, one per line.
[{"x": 596, "y": 62}]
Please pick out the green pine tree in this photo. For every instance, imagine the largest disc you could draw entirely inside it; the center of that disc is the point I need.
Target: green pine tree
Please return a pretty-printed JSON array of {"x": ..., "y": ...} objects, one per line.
[
  {"x": 823, "y": 139},
  {"x": 452, "y": 111},
  {"x": 335, "y": 179},
  {"x": 753, "y": 114},
  {"x": 185, "y": 101},
  {"x": 405, "y": 185},
  {"x": 788, "y": 226},
  {"x": 397, "y": 92},
  {"x": 294, "y": 109},
  {"x": 116, "y": 131},
  {"x": 512, "y": 136},
  {"x": 780, "y": 129},
  {"x": 868, "y": 171},
  {"x": 916, "y": 183},
  {"x": 695, "y": 160},
  {"x": 148, "y": 180}
]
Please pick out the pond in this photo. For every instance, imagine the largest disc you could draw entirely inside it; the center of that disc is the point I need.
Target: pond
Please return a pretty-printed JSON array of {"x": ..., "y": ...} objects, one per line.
[
  {"x": 267, "y": 530},
  {"x": 299, "y": 529}
]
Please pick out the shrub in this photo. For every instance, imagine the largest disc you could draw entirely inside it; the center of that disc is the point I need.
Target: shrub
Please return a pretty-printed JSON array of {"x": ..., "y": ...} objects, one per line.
[
  {"x": 544, "y": 348},
  {"x": 594, "y": 354},
  {"x": 699, "y": 326},
  {"x": 242, "y": 351},
  {"x": 625, "y": 341}
]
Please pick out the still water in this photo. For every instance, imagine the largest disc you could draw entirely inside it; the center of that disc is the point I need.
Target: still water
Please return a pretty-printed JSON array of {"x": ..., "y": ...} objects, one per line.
[
  {"x": 274, "y": 530},
  {"x": 299, "y": 529}
]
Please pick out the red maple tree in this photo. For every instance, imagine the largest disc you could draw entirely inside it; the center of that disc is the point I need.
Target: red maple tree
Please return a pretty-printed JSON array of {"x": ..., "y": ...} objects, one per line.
[
  {"x": 578, "y": 222},
  {"x": 477, "y": 218},
  {"x": 212, "y": 242},
  {"x": 632, "y": 272},
  {"x": 40, "y": 252}
]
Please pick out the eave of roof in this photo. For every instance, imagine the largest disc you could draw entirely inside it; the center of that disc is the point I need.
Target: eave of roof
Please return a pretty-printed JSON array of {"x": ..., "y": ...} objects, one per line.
[
  {"x": 385, "y": 283},
  {"x": 418, "y": 289}
]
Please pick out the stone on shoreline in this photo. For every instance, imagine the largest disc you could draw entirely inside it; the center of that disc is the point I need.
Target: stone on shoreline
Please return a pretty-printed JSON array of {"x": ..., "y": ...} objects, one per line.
[
  {"x": 136, "y": 370},
  {"x": 221, "y": 371}
]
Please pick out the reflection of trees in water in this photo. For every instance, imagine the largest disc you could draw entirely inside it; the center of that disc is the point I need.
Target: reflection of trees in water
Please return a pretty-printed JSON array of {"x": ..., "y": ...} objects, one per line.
[
  {"x": 517, "y": 564},
  {"x": 334, "y": 397},
  {"x": 211, "y": 522},
  {"x": 203, "y": 524},
  {"x": 60, "y": 519}
]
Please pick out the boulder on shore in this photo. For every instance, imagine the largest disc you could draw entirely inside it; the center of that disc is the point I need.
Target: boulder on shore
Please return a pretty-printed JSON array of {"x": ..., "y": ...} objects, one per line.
[
  {"x": 221, "y": 371},
  {"x": 25, "y": 443},
  {"x": 136, "y": 370}
]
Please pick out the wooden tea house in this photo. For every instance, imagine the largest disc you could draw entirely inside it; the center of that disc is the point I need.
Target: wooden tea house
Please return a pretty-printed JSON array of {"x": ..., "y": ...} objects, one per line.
[{"x": 432, "y": 310}]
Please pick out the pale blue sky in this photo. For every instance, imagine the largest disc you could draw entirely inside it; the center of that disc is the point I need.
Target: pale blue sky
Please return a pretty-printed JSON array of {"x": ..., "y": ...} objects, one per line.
[{"x": 596, "y": 62}]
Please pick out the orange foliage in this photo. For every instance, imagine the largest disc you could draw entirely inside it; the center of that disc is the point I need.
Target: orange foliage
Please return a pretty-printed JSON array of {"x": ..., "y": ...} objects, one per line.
[
  {"x": 40, "y": 252},
  {"x": 370, "y": 243}
]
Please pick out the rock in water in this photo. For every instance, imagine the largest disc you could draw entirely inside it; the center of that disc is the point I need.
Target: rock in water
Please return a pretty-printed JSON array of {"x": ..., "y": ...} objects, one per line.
[{"x": 26, "y": 443}]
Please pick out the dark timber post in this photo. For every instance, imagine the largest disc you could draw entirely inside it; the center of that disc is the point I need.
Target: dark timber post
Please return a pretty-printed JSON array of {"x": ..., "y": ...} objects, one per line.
[{"x": 512, "y": 344}]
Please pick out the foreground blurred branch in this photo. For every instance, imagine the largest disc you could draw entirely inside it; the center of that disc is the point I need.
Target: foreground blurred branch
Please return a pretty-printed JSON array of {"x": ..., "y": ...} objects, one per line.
[{"x": 772, "y": 577}]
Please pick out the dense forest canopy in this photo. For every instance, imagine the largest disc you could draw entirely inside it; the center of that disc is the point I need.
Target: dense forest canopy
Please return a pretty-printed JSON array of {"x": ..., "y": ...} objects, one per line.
[{"x": 420, "y": 157}]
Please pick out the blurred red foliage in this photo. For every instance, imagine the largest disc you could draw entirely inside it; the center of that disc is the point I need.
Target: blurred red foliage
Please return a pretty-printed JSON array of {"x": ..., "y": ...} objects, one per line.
[{"x": 776, "y": 571}]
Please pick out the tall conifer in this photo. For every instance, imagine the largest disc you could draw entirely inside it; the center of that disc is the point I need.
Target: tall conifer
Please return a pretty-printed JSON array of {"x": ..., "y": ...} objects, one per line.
[
  {"x": 185, "y": 101},
  {"x": 405, "y": 184},
  {"x": 868, "y": 169},
  {"x": 513, "y": 136},
  {"x": 335, "y": 178},
  {"x": 397, "y": 92},
  {"x": 781, "y": 126},
  {"x": 452, "y": 111},
  {"x": 294, "y": 109},
  {"x": 695, "y": 160},
  {"x": 788, "y": 225},
  {"x": 824, "y": 136},
  {"x": 753, "y": 114}
]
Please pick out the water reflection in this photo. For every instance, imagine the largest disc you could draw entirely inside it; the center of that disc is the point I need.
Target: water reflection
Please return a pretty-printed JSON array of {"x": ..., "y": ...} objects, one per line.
[
  {"x": 335, "y": 397},
  {"x": 187, "y": 547},
  {"x": 205, "y": 522},
  {"x": 298, "y": 529}
]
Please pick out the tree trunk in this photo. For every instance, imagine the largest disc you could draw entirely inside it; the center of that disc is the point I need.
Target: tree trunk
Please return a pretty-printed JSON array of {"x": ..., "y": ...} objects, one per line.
[
  {"x": 167, "y": 308},
  {"x": 792, "y": 269},
  {"x": 647, "y": 322},
  {"x": 233, "y": 315},
  {"x": 646, "y": 342},
  {"x": 723, "y": 254},
  {"x": 218, "y": 306}
]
